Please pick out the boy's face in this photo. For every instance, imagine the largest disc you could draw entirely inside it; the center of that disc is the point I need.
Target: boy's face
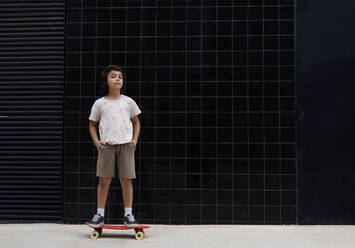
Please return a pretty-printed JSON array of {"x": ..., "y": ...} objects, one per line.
[{"x": 115, "y": 80}]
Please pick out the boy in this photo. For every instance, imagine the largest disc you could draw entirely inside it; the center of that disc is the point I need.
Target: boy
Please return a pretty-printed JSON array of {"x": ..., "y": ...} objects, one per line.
[{"x": 119, "y": 128}]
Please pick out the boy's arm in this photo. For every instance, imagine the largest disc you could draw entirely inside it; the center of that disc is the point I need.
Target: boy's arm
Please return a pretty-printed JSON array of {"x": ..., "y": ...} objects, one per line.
[
  {"x": 136, "y": 128},
  {"x": 93, "y": 132}
]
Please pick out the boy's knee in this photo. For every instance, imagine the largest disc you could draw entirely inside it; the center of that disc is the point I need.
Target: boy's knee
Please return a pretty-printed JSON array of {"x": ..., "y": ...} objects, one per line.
[
  {"x": 105, "y": 182},
  {"x": 126, "y": 182}
]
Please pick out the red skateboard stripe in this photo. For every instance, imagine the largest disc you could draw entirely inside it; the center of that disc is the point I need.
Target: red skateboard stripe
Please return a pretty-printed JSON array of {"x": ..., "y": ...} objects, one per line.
[
  {"x": 122, "y": 227},
  {"x": 118, "y": 227}
]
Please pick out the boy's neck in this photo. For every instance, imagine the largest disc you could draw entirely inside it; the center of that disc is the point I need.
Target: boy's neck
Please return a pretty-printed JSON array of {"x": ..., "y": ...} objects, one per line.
[{"x": 113, "y": 95}]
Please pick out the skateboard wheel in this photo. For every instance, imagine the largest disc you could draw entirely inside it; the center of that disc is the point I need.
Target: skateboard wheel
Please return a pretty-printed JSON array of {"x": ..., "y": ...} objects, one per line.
[
  {"x": 139, "y": 230},
  {"x": 94, "y": 235},
  {"x": 139, "y": 235}
]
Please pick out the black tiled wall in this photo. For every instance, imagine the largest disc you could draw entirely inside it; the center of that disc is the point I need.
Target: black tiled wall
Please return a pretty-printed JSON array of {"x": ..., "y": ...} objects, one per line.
[{"x": 215, "y": 81}]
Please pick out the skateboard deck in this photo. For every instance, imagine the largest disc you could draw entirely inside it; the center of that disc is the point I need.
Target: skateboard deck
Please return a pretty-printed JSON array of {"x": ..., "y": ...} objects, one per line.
[{"x": 98, "y": 230}]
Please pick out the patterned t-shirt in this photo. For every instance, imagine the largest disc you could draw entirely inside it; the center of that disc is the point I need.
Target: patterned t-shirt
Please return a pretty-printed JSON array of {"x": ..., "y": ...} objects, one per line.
[{"x": 114, "y": 116}]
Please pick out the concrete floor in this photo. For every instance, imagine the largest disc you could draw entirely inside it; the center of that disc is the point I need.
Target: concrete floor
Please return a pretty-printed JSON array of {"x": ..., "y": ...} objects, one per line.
[{"x": 162, "y": 236}]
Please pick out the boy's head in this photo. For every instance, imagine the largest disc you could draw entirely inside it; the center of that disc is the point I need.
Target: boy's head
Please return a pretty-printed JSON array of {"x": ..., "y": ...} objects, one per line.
[{"x": 111, "y": 76}]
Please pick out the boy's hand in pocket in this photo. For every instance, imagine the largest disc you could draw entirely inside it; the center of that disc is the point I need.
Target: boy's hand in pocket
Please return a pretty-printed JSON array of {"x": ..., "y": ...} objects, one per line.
[{"x": 99, "y": 143}]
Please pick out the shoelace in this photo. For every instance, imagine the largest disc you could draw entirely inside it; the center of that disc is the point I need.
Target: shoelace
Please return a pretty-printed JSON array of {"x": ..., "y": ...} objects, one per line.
[
  {"x": 96, "y": 217},
  {"x": 131, "y": 218}
]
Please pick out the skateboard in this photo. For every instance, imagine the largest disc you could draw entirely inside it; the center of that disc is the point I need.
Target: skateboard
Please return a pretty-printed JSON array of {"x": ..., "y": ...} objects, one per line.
[{"x": 98, "y": 230}]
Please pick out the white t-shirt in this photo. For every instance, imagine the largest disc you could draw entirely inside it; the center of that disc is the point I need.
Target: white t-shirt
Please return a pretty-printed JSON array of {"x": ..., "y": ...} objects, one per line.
[{"x": 115, "y": 125}]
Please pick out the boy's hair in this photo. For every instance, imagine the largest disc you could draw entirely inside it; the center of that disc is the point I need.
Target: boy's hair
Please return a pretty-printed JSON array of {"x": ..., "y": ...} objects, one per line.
[{"x": 104, "y": 76}]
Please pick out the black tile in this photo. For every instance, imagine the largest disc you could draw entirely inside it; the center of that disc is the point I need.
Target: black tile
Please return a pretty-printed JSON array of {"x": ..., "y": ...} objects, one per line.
[
  {"x": 178, "y": 180},
  {"x": 70, "y": 195},
  {"x": 178, "y": 196},
  {"x": 288, "y": 166},
  {"x": 273, "y": 198},
  {"x": 241, "y": 214},
  {"x": 193, "y": 165},
  {"x": 162, "y": 212},
  {"x": 209, "y": 214},
  {"x": 272, "y": 182},
  {"x": 178, "y": 212},
  {"x": 256, "y": 214},
  {"x": 225, "y": 181},
  {"x": 225, "y": 166},
  {"x": 256, "y": 166},
  {"x": 256, "y": 182},
  {"x": 193, "y": 214},
  {"x": 162, "y": 196},
  {"x": 288, "y": 198},
  {"x": 193, "y": 197},
  {"x": 288, "y": 214},
  {"x": 208, "y": 197},
  {"x": 209, "y": 181},
  {"x": 208, "y": 166},
  {"x": 256, "y": 197},
  {"x": 225, "y": 197},
  {"x": 241, "y": 182},
  {"x": 163, "y": 181},
  {"x": 272, "y": 214},
  {"x": 224, "y": 213},
  {"x": 193, "y": 181}
]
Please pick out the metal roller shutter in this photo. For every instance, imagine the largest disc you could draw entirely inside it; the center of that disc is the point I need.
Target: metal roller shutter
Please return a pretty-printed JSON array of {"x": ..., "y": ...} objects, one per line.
[{"x": 31, "y": 110}]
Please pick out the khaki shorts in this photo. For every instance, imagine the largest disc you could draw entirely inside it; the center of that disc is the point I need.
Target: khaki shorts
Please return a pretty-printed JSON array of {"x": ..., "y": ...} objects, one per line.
[{"x": 121, "y": 155}]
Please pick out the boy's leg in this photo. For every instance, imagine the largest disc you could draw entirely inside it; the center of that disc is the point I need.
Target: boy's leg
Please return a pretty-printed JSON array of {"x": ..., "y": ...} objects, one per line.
[
  {"x": 127, "y": 192},
  {"x": 127, "y": 195},
  {"x": 102, "y": 191},
  {"x": 105, "y": 171},
  {"x": 126, "y": 168}
]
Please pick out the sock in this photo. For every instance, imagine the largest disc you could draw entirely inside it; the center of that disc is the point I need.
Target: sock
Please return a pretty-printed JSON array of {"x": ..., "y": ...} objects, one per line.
[
  {"x": 101, "y": 211},
  {"x": 127, "y": 211}
]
